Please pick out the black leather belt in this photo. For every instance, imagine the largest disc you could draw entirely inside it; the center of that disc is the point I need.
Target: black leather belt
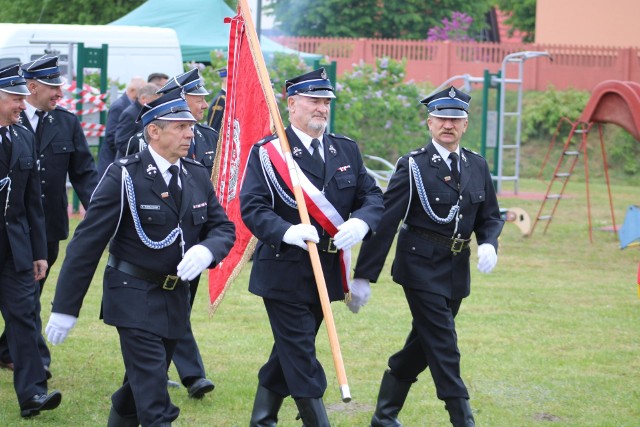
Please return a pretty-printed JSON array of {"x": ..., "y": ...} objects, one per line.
[
  {"x": 455, "y": 245},
  {"x": 326, "y": 245},
  {"x": 168, "y": 282}
]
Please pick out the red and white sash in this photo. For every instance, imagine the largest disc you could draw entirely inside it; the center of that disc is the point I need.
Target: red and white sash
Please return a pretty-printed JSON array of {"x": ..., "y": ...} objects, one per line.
[{"x": 317, "y": 204}]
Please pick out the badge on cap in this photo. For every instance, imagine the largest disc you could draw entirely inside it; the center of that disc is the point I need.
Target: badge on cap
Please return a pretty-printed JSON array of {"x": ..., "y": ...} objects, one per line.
[{"x": 452, "y": 93}]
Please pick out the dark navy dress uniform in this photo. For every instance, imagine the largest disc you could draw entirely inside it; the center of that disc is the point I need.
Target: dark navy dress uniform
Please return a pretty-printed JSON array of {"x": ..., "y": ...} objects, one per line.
[
  {"x": 216, "y": 110},
  {"x": 216, "y": 107},
  {"x": 22, "y": 241},
  {"x": 62, "y": 152},
  {"x": 292, "y": 368},
  {"x": 127, "y": 127},
  {"x": 204, "y": 146},
  {"x": 142, "y": 296},
  {"x": 431, "y": 264},
  {"x": 139, "y": 307},
  {"x": 186, "y": 357},
  {"x": 108, "y": 150}
]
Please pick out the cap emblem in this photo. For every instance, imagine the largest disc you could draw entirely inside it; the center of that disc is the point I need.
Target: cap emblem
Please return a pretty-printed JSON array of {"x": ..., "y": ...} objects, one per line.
[
  {"x": 323, "y": 74},
  {"x": 452, "y": 93}
]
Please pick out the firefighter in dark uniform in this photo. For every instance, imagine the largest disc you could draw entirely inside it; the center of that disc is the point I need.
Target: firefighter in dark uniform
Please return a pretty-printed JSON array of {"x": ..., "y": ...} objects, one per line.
[
  {"x": 216, "y": 108},
  {"x": 205, "y": 140},
  {"x": 331, "y": 168},
  {"x": 442, "y": 193},
  {"x": 186, "y": 356},
  {"x": 23, "y": 248},
  {"x": 62, "y": 151},
  {"x": 128, "y": 125},
  {"x": 158, "y": 212}
]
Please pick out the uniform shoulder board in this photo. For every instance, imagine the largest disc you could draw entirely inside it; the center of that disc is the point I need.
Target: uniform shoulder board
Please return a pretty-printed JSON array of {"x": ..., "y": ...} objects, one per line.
[
  {"x": 20, "y": 125},
  {"x": 266, "y": 139},
  {"x": 63, "y": 109},
  {"x": 416, "y": 152},
  {"x": 471, "y": 151},
  {"x": 339, "y": 136},
  {"x": 128, "y": 160},
  {"x": 205, "y": 126},
  {"x": 192, "y": 161}
]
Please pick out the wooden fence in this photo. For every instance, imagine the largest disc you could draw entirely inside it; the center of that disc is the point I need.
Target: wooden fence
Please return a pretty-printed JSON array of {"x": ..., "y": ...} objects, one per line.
[{"x": 579, "y": 67}]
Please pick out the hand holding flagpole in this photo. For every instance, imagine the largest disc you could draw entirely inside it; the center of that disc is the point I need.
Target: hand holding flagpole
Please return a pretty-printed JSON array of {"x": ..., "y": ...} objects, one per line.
[{"x": 263, "y": 75}]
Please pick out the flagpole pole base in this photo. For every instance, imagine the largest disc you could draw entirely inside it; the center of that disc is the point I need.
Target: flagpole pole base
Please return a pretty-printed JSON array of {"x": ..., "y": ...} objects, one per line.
[{"x": 345, "y": 393}]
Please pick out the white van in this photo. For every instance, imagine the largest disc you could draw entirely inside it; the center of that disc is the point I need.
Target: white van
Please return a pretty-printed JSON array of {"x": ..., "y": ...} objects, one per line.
[{"x": 133, "y": 51}]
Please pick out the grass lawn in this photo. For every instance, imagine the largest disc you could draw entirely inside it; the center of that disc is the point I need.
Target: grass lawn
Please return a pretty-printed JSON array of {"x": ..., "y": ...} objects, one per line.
[{"x": 551, "y": 337}]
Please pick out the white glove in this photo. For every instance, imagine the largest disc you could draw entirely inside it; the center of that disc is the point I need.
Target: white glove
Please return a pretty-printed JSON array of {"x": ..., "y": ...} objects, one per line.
[
  {"x": 487, "y": 258},
  {"x": 360, "y": 294},
  {"x": 59, "y": 326},
  {"x": 195, "y": 260},
  {"x": 299, "y": 234},
  {"x": 349, "y": 233}
]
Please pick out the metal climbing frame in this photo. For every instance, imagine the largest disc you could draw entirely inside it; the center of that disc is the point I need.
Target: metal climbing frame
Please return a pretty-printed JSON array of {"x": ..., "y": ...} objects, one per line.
[
  {"x": 517, "y": 58},
  {"x": 574, "y": 147},
  {"x": 499, "y": 81}
]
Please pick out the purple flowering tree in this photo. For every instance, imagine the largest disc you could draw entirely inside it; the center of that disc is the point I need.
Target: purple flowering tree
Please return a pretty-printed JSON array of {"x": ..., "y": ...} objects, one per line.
[{"x": 456, "y": 29}]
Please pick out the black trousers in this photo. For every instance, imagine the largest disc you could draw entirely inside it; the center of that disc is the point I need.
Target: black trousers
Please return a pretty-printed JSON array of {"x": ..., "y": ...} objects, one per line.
[
  {"x": 186, "y": 357},
  {"x": 17, "y": 293},
  {"x": 432, "y": 342},
  {"x": 53, "y": 248},
  {"x": 144, "y": 391},
  {"x": 292, "y": 368}
]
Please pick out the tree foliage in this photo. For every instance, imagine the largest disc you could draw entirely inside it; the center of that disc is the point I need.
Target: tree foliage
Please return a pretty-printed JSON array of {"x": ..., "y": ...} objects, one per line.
[
  {"x": 406, "y": 19},
  {"x": 67, "y": 12},
  {"x": 523, "y": 16}
]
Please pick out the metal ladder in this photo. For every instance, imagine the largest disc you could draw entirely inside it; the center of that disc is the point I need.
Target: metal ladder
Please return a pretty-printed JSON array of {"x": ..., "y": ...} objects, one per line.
[
  {"x": 517, "y": 58},
  {"x": 564, "y": 169}
]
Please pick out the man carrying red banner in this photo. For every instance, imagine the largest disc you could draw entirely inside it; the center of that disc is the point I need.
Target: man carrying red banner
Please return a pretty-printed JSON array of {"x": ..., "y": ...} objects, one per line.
[{"x": 345, "y": 206}]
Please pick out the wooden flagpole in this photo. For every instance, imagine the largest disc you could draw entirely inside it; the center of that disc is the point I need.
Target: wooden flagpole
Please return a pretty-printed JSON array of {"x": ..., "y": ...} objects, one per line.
[{"x": 265, "y": 82}]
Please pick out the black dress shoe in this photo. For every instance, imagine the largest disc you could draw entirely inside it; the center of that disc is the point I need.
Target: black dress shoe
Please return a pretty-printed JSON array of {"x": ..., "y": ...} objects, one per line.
[
  {"x": 40, "y": 402},
  {"x": 200, "y": 387}
]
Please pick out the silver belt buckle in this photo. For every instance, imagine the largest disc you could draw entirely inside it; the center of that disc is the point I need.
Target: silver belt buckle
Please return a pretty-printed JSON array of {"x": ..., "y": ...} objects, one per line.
[{"x": 170, "y": 282}]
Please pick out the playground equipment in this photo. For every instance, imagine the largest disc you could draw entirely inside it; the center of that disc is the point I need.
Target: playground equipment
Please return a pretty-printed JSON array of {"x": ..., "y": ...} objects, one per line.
[
  {"x": 612, "y": 101},
  {"x": 493, "y": 122}
]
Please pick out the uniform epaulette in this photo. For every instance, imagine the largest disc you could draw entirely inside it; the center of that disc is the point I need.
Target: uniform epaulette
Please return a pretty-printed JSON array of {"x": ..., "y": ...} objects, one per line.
[
  {"x": 192, "y": 161},
  {"x": 22, "y": 126},
  {"x": 340, "y": 136},
  {"x": 419, "y": 151},
  {"x": 63, "y": 109},
  {"x": 266, "y": 139},
  {"x": 128, "y": 160},
  {"x": 205, "y": 126},
  {"x": 471, "y": 151}
]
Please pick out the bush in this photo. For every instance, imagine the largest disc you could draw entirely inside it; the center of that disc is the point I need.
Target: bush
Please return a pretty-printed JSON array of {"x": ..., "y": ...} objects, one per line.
[
  {"x": 541, "y": 111},
  {"x": 379, "y": 110}
]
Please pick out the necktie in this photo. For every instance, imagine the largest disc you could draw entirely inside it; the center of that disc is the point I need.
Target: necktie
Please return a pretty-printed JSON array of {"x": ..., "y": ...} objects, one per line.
[
  {"x": 454, "y": 167},
  {"x": 39, "y": 128},
  {"x": 174, "y": 188},
  {"x": 316, "y": 156},
  {"x": 6, "y": 144}
]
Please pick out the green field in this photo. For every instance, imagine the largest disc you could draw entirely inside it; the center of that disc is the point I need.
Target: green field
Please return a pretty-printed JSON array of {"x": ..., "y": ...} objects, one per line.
[{"x": 551, "y": 337}]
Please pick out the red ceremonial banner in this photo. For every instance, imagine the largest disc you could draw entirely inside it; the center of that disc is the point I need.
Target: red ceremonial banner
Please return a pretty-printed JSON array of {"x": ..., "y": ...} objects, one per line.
[{"x": 246, "y": 121}]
